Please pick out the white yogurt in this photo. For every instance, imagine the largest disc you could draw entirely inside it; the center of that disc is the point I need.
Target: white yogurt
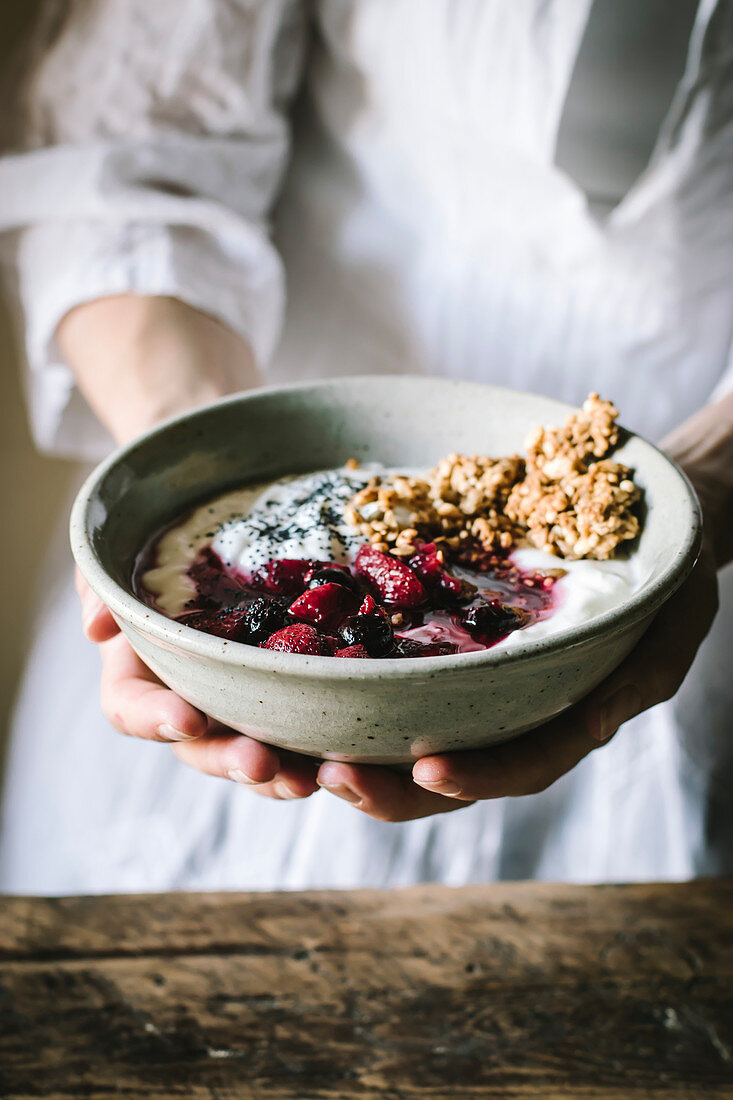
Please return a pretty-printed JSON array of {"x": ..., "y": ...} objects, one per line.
[
  {"x": 587, "y": 590},
  {"x": 303, "y": 517},
  {"x": 299, "y": 518}
]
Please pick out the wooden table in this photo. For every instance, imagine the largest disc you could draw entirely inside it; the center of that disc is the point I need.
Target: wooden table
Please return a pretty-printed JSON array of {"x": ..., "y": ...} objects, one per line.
[{"x": 514, "y": 990}]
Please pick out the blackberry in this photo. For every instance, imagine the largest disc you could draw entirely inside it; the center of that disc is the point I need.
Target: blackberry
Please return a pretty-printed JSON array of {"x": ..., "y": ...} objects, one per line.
[
  {"x": 262, "y": 618},
  {"x": 374, "y": 632}
]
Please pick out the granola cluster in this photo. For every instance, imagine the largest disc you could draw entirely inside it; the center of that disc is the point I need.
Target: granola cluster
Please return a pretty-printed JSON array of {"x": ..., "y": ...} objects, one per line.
[{"x": 566, "y": 497}]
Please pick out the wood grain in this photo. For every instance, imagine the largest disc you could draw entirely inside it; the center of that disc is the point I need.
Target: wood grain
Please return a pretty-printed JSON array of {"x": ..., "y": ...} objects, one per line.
[{"x": 512, "y": 990}]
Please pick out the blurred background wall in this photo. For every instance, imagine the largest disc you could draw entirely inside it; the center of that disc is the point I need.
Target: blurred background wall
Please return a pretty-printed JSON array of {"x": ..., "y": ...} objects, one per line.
[
  {"x": 34, "y": 497},
  {"x": 34, "y": 488}
]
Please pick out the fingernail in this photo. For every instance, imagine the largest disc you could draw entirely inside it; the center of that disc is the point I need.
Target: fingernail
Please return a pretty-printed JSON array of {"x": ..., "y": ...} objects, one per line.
[
  {"x": 342, "y": 791},
  {"x": 282, "y": 790},
  {"x": 442, "y": 786},
  {"x": 240, "y": 777},
  {"x": 170, "y": 733},
  {"x": 617, "y": 709}
]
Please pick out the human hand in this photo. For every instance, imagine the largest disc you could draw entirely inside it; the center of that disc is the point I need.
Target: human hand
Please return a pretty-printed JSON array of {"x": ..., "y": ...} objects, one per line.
[
  {"x": 703, "y": 447},
  {"x": 138, "y": 359},
  {"x": 137, "y": 703},
  {"x": 650, "y": 674}
]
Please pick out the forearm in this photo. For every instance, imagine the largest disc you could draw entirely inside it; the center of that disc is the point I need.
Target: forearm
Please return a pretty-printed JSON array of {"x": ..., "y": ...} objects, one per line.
[
  {"x": 140, "y": 359},
  {"x": 703, "y": 447}
]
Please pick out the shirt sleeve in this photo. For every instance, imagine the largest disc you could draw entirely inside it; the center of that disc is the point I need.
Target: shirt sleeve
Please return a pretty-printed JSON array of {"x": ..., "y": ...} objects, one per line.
[{"x": 152, "y": 143}]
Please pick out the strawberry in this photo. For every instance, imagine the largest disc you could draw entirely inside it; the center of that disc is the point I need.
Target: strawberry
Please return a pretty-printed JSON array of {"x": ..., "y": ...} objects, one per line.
[
  {"x": 394, "y": 581},
  {"x": 428, "y": 563},
  {"x": 352, "y": 651},
  {"x": 229, "y": 623},
  {"x": 325, "y": 606},
  {"x": 300, "y": 638},
  {"x": 283, "y": 576}
]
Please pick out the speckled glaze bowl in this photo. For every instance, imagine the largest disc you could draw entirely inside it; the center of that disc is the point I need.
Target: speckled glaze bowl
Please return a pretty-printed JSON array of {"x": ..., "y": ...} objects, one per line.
[{"x": 387, "y": 711}]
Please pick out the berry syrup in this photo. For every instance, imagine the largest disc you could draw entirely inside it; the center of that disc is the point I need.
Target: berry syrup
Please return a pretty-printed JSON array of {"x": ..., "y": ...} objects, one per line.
[
  {"x": 506, "y": 600},
  {"x": 381, "y": 606}
]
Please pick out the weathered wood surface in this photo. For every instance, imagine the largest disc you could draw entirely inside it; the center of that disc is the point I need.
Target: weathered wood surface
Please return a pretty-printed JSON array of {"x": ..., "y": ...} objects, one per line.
[{"x": 514, "y": 990}]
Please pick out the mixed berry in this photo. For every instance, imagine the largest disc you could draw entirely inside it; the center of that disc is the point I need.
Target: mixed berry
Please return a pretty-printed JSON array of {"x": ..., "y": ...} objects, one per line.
[{"x": 381, "y": 606}]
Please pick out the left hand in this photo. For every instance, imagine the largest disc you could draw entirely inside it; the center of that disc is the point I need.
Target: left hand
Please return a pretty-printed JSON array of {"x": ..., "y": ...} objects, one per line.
[
  {"x": 654, "y": 670},
  {"x": 650, "y": 674}
]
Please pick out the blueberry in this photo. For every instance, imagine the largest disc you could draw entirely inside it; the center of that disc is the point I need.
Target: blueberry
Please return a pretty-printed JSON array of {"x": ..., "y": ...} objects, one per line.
[
  {"x": 325, "y": 575},
  {"x": 262, "y": 618},
  {"x": 374, "y": 632},
  {"x": 492, "y": 620}
]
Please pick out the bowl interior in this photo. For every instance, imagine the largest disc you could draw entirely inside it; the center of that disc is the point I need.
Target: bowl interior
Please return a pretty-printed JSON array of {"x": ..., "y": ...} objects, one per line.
[{"x": 393, "y": 420}]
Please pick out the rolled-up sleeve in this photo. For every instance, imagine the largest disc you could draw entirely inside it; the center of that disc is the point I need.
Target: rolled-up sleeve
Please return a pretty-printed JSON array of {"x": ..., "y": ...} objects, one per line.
[{"x": 152, "y": 146}]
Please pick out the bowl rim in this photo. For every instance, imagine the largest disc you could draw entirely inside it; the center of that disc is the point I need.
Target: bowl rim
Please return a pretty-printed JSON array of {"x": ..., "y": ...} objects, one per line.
[{"x": 128, "y": 609}]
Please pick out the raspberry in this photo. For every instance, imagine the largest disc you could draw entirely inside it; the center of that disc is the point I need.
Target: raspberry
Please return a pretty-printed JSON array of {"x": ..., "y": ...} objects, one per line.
[
  {"x": 352, "y": 651},
  {"x": 214, "y": 586},
  {"x": 229, "y": 623},
  {"x": 284, "y": 576},
  {"x": 369, "y": 606},
  {"x": 394, "y": 581},
  {"x": 298, "y": 639},
  {"x": 325, "y": 606}
]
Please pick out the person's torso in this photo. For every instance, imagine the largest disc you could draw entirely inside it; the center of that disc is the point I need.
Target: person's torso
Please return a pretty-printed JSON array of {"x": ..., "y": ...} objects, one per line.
[{"x": 517, "y": 193}]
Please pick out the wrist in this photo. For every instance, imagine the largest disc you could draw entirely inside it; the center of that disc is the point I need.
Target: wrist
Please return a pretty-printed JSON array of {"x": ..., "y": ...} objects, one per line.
[
  {"x": 138, "y": 360},
  {"x": 703, "y": 448}
]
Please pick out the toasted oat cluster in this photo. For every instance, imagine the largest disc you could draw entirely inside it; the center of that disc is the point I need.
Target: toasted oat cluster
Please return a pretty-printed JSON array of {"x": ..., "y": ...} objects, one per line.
[
  {"x": 566, "y": 497},
  {"x": 462, "y": 498}
]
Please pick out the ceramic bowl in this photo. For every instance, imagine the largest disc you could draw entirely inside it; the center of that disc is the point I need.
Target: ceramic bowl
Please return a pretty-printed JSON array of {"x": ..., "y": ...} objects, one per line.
[{"x": 387, "y": 711}]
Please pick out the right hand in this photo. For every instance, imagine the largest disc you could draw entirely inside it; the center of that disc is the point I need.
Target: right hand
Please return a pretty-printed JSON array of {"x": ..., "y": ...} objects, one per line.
[
  {"x": 165, "y": 357},
  {"x": 137, "y": 703}
]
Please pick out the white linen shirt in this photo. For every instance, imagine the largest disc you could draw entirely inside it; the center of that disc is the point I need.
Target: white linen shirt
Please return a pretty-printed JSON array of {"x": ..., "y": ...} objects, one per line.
[
  {"x": 536, "y": 193},
  {"x": 152, "y": 143}
]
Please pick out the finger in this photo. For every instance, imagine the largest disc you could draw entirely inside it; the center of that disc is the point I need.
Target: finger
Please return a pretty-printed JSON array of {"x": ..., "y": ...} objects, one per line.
[
  {"x": 655, "y": 669},
  {"x": 239, "y": 758},
  {"x": 527, "y": 765},
  {"x": 137, "y": 703},
  {"x": 382, "y": 793},
  {"x": 96, "y": 618}
]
